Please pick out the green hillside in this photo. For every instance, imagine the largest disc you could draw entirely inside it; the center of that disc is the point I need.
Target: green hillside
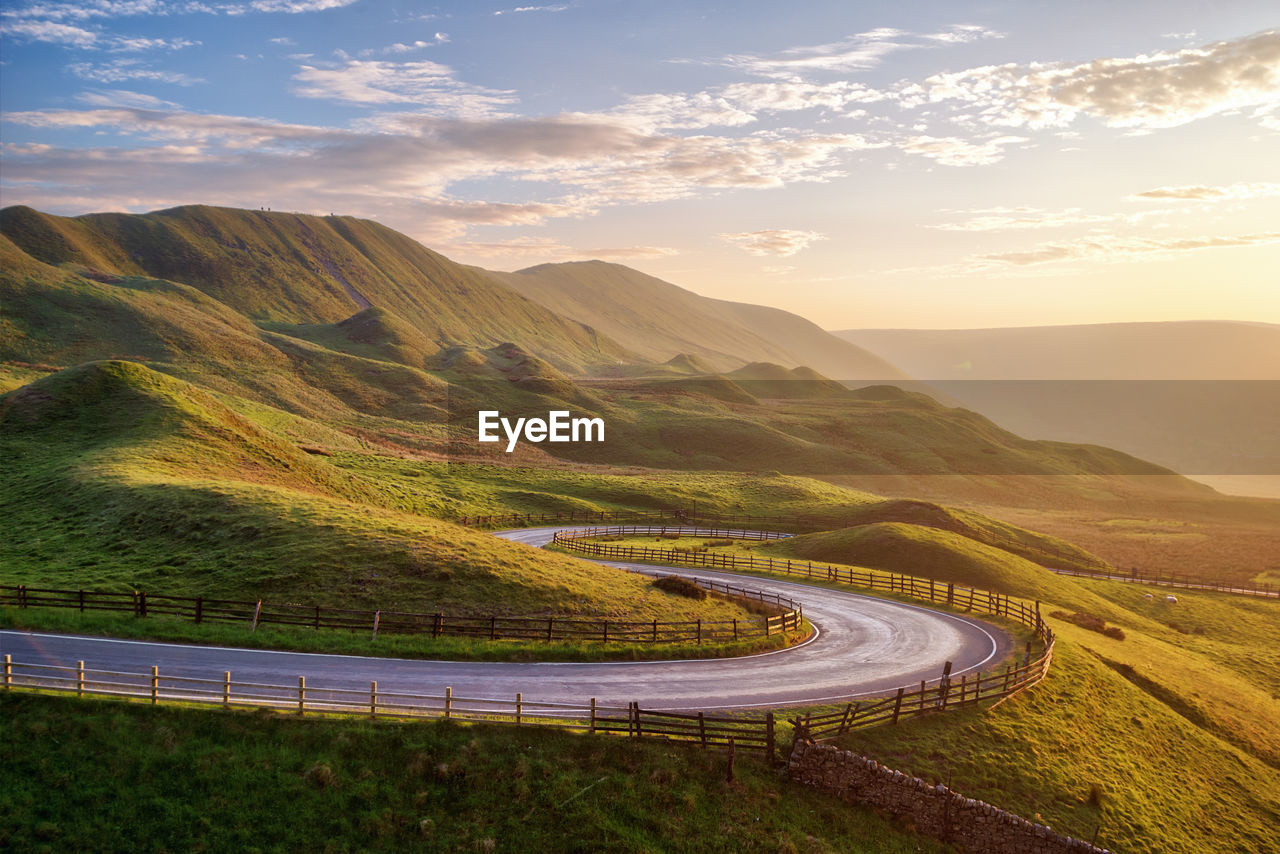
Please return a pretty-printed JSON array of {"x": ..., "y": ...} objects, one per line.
[
  {"x": 307, "y": 270},
  {"x": 116, "y": 476}
]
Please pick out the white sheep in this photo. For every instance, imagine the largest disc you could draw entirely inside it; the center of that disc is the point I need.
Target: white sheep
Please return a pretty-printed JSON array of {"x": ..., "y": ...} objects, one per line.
[
  {"x": 1171, "y": 599},
  {"x": 1148, "y": 597}
]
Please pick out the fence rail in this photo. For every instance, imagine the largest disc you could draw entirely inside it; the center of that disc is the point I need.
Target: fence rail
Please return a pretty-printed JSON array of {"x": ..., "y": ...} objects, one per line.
[
  {"x": 1178, "y": 580},
  {"x": 788, "y": 617},
  {"x": 747, "y": 733}
]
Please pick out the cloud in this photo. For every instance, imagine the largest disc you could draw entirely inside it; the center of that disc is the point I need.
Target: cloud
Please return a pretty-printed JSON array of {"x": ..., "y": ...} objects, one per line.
[
  {"x": 853, "y": 53},
  {"x": 51, "y": 32},
  {"x": 405, "y": 165},
  {"x": 1145, "y": 92},
  {"x": 429, "y": 85},
  {"x": 780, "y": 242},
  {"x": 123, "y": 98},
  {"x": 556, "y": 8},
  {"x": 1112, "y": 248},
  {"x": 120, "y": 70},
  {"x": 1007, "y": 219},
  {"x": 400, "y": 47},
  {"x": 953, "y": 151},
  {"x": 297, "y": 7},
  {"x": 1202, "y": 193},
  {"x": 739, "y": 103}
]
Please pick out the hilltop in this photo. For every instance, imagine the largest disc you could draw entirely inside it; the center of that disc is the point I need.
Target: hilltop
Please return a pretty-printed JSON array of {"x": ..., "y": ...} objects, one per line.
[{"x": 660, "y": 320}]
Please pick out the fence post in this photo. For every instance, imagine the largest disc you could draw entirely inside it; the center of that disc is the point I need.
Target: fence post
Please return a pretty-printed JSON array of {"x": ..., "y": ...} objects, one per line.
[
  {"x": 606, "y": 631},
  {"x": 226, "y": 688},
  {"x": 922, "y": 695},
  {"x": 702, "y": 729},
  {"x": 769, "y": 735},
  {"x": 519, "y": 706},
  {"x": 897, "y": 704},
  {"x": 81, "y": 601},
  {"x": 699, "y": 632},
  {"x": 8, "y": 671},
  {"x": 302, "y": 695},
  {"x": 79, "y": 678},
  {"x": 448, "y": 702},
  {"x": 22, "y": 595},
  {"x": 655, "y": 631},
  {"x": 377, "y": 618},
  {"x": 257, "y": 612},
  {"x": 593, "y": 715},
  {"x": 373, "y": 698},
  {"x": 155, "y": 684},
  {"x": 944, "y": 685},
  {"x": 199, "y": 608},
  {"x": 550, "y": 623},
  {"x": 951, "y": 593},
  {"x": 735, "y": 629},
  {"x": 437, "y": 625},
  {"x": 493, "y": 628}
]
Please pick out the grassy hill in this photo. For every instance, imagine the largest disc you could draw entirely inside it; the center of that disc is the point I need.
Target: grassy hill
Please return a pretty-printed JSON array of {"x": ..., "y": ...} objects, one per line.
[
  {"x": 306, "y": 270},
  {"x": 660, "y": 320},
  {"x": 115, "y": 476}
]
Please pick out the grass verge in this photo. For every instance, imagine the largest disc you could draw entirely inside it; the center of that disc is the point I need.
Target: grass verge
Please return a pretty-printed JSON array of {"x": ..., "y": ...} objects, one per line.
[{"x": 188, "y": 779}]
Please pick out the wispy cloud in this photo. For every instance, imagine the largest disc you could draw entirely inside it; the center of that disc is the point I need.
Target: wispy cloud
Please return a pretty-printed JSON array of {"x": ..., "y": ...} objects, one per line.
[
  {"x": 559, "y": 7},
  {"x": 124, "y": 98},
  {"x": 298, "y": 7},
  {"x": 779, "y": 242},
  {"x": 1015, "y": 219},
  {"x": 121, "y": 70},
  {"x": 401, "y": 47},
  {"x": 1114, "y": 248},
  {"x": 853, "y": 53},
  {"x": 429, "y": 85},
  {"x": 1204, "y": 193},
  {"x": 954, "y": 151}
]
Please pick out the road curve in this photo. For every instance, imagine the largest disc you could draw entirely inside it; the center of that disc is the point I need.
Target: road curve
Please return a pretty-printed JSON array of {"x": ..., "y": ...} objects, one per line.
[{"x": 864, "y": 646}]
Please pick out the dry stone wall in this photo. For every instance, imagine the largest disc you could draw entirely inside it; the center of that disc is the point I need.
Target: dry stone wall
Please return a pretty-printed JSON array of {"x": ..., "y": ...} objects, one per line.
[{"x": 934, "y": 810}]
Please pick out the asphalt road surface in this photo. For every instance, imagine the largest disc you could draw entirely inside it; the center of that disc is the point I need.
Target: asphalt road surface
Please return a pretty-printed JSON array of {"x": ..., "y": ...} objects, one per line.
[{"x": 864, "y": 646}]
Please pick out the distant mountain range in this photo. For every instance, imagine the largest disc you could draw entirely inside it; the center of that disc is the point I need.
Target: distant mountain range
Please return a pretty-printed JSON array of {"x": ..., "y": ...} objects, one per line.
[
  {"x": 1174, "y": 350},
  {"x": 1202, "y": 397}
]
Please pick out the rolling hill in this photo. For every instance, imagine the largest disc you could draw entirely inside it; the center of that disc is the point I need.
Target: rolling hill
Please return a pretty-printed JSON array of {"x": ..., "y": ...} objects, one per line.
[
  {"x": 660, "y": 320},
  {"x": 293, "y": 269}
]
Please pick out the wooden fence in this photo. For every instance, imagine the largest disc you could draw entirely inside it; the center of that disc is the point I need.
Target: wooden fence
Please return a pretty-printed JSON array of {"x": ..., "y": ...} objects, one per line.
[
  {"x": 199, "y": 609},
  {"x": 1179, "y": 580},
  {"x": 937, "y": 696},
  {"x": 748, "y": 733}
]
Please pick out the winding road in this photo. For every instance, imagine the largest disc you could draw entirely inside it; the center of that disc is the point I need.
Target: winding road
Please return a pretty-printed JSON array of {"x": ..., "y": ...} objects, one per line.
[{"x": 863, "y": 646}]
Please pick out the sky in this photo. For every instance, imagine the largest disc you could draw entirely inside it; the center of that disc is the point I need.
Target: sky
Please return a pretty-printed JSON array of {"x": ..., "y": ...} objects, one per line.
[{"x": 866, "y": 165}]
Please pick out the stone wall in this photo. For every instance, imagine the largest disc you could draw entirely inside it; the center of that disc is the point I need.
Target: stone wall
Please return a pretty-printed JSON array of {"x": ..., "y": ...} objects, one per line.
[{"x": 933, "y": 810}]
